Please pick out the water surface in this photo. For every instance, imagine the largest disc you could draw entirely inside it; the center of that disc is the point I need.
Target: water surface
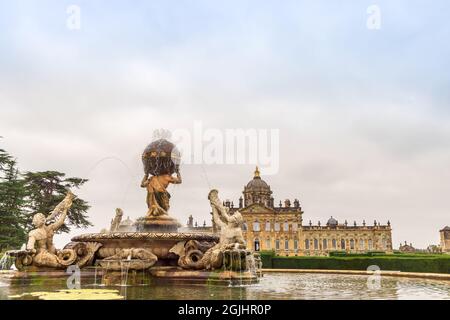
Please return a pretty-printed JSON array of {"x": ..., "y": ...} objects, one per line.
[{"x": 272, "y": 286}]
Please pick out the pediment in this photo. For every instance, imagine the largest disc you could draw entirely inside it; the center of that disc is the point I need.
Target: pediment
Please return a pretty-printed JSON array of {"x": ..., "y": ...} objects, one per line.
[{"x": 257, "y": 208}]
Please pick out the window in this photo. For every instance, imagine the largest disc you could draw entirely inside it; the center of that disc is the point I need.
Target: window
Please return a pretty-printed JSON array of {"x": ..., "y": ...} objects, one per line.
[
  {"x": 267, "y": 225},
  {"x": 277, "y": 226},
  {"x": 268, "y": 244},
  {"x": 256, "y": 226},
  {"x": 324, "y": 244},
  {"x": 307, "y": 244},
  {"x": 370, "y": 244},
  {"x": 257, "y": 246},
  {"x": 286, "y": 244},
  {"x": 295, "y": 244},
  {"x": 384, "y": 244},
  {"x": 334, "y": 243},
  {"x": 295, "y": 227},
  {"x": 316, "y": 244},
  {"x": 277, "y": 244},
  {"x": 343, "y": 244},
  {"x": 244, "y": 226},
  {"x": 361, "y": 244},
  {"x": 352, "y": 244},
  {"x": 286, "y": 226}
]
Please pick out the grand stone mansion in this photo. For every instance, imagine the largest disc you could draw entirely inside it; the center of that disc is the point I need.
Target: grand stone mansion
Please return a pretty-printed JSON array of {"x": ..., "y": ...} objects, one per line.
[{"x": 280, "y": 227}]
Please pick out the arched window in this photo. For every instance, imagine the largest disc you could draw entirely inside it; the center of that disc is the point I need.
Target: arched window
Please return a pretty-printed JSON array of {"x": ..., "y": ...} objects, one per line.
[
  {"x": 316, "y": 244},
  {"x": 295, "y": 244},
  {"x": 324, "y": 244},
  {"x": 244, "y": 226},
  {"x": 295, "y": 227},
  {"x": 286, "y": 226},
  {"x": 334, "y": 243},
  {"x": 256, "y": 226},
  {"x": 352, "y": 244},
  {"x": 268, "y": 245},
  {"x": 343, "y": 244},
  {"x": 277, "y": 226},
  {"x": 384, "y": 242},
  {"x": 257, "y": 246},
  {"x": 286, "y": 244},
  {"x": 370, "y": 244},
  {"x": 361, "y": 244},
  {"x": 267, "y": 225},
  {"x": 277, "y": 244},
  {"x": 306, "y": 244}
]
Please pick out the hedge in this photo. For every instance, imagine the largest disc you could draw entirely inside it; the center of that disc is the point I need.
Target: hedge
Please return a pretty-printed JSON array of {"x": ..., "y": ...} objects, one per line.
[{"x": 405, "y": 263}]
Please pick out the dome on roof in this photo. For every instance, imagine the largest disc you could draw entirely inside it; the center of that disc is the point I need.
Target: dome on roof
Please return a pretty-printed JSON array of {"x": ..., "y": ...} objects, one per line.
[
  {"x": 257, "y": 183},
  {"x": 332, "y": 222}
]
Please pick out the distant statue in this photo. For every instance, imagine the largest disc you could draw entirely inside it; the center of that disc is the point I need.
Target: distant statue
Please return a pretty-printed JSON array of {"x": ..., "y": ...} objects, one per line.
[
  {"x": 158, "y": 197},
  {"x": 115, "y": 223},
  {"x": 40, "y": 240}
]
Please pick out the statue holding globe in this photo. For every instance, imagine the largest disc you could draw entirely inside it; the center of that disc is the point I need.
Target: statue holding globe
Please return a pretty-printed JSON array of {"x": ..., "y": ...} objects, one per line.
[{"x": 161, "y": 160}]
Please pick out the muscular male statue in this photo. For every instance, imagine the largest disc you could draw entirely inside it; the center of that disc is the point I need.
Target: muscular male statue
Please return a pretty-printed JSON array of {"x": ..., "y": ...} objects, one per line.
[
  {"x": 157, "y": 196},
  {"x": 40, "y": 240}
]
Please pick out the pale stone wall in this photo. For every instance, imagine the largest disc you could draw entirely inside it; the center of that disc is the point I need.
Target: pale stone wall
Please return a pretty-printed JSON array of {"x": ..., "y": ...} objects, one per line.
[
  {"x": 269, "y": 231},
  {"x": 283, "y": 233},
  {"x": 445, "y": 240},
  {"x": 318, "y": 240}
]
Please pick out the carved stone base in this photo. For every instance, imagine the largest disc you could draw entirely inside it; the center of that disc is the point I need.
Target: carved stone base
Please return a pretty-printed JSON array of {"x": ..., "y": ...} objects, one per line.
[
  {"x": 163, "y": 223},
  {"x": 219, "y": 276}
]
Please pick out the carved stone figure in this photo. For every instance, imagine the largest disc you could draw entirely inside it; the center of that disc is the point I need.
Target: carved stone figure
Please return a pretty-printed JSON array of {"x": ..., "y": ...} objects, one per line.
[
  {"x": 40, "y": 240},
  {"x": 40, "y": 250},
  {"x": 115, "y": 223},
  {"x": 231, "y": 238},
  {"x": 136, "y": 259},
  {"x": 157, "y": 195}
]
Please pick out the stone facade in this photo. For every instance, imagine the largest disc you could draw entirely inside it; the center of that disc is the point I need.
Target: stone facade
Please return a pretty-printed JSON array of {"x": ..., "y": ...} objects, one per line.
[
  {"x": 445, "y": 239},
  {"x": 280, "y": 228}
]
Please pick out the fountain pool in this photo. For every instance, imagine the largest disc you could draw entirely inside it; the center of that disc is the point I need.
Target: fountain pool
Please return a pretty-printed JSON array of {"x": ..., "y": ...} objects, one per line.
[{"x": 272, "y": 286}]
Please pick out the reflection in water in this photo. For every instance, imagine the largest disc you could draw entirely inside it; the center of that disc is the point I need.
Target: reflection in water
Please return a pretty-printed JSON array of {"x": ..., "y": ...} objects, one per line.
[{"x": 271, "y": 286}]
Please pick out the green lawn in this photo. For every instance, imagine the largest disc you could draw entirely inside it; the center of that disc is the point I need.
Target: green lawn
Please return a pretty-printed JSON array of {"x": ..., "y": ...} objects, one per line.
[{"x": 435, "y": 263}]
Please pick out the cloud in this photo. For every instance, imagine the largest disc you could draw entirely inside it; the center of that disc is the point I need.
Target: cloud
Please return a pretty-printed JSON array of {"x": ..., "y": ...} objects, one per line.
[{"x": 363, "y": 115}]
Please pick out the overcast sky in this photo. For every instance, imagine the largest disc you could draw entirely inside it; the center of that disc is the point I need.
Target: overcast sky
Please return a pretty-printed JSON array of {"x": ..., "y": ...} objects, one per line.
[{"x": 363, "y": 114}]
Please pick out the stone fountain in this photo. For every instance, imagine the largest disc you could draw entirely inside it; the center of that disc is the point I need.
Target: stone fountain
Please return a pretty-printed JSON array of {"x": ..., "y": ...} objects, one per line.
[{"x": 153, "y": 246}]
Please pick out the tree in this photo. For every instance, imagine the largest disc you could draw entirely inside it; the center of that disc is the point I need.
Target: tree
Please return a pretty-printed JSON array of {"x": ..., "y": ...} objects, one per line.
[
  {"x": 44, "y": 190},
  {"x": 12, "y": 200}
]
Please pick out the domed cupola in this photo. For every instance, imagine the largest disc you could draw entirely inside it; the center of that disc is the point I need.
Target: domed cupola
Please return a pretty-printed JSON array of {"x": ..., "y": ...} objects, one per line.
[
  {"x": 257, "y": 191},
  {"x": 332, "y": 222}
]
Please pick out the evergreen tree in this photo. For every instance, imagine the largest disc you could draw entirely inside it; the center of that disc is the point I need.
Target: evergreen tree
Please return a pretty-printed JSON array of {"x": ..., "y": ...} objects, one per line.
[
  {"x": 44, "y": 190},
  {"x": 12, "y": 194}
]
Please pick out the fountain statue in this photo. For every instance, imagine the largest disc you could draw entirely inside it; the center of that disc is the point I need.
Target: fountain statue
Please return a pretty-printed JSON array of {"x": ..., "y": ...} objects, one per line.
[
  {"x": 40, "y": 251},
  {"x": 161, "y": 161},
  {"x": 115, "y": 223},
  {"x": 230, "y": 227},
  {"x": 153, "y": 245}
]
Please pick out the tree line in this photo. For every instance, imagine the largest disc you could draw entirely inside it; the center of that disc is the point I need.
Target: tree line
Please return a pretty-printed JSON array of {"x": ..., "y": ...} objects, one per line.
[{"x": 23, "y": 194}]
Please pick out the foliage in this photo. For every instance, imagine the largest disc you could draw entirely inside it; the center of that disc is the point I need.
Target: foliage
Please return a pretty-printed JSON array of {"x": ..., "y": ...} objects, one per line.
[
  {"x": 12, "y": 193},
  {"x": 44, "y": 190},
  {"x": 405, "y": 263},
  {"x": 23, "y": 195}
]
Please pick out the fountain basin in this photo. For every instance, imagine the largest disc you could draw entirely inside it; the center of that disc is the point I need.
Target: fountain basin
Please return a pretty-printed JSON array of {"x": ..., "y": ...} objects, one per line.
[{"x": 159, "y": 243}]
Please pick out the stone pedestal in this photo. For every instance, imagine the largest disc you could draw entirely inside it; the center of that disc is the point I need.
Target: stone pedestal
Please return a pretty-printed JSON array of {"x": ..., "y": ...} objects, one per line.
[{"x": 163, "y": 223}]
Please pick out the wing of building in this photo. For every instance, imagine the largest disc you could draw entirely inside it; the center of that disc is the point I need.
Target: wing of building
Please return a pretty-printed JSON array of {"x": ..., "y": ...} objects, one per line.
[
  {"x": 280, "y": 227},
  {"x": 445, "y": 239}
]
